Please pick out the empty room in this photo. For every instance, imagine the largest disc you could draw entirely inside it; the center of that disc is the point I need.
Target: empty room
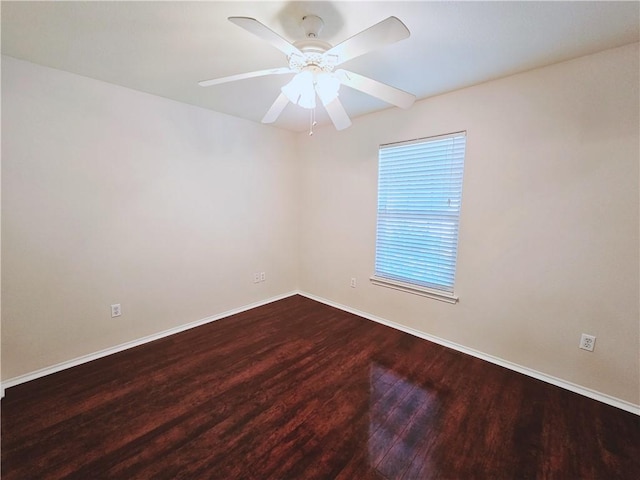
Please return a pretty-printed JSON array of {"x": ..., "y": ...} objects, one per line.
[{"x": 320, "y": 240}]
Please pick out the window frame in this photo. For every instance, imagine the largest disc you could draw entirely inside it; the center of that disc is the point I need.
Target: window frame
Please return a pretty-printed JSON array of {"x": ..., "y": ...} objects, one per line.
[{"x": 444, "y": 294}]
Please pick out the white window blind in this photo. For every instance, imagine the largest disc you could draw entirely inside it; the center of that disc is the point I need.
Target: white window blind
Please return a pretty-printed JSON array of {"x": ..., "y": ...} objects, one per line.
[{"x": 419, "y": 198}]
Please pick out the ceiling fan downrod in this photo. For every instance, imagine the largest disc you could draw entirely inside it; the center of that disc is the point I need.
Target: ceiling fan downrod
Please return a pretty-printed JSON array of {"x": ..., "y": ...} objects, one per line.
[{"x": 312, "y": 26}]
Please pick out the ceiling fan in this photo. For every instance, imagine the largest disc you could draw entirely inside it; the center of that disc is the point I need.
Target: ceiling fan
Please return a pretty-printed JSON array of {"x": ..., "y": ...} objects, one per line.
[{"x": 314, "y": 64}]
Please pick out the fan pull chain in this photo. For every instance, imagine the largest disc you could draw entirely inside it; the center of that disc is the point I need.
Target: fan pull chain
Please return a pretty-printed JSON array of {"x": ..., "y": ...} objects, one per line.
[{"x": 312, "y": 121}]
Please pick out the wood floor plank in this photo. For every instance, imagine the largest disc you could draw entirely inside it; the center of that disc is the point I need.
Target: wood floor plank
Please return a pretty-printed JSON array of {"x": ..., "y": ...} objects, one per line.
[{"x": 299, "y": 390}]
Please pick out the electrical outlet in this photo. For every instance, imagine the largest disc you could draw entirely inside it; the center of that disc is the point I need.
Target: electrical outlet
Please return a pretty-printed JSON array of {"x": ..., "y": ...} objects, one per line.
[
  {"x": 353, "y": 283},
  {"x": 256, "y": 277},
  {"x": 587, "y": 342},
  {"x": 263, "y": 276},
  {"x": 116, "y": 311}
]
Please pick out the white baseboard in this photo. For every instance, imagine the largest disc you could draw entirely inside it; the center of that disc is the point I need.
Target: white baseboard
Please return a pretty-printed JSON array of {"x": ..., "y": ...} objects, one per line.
[
  {"x": 587, "y": 392},
  {"x": 134, "y": 343}
]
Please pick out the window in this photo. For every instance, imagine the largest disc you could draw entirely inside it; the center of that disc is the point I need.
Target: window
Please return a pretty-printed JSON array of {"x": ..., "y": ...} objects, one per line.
[{"x": 419, "y": 197}]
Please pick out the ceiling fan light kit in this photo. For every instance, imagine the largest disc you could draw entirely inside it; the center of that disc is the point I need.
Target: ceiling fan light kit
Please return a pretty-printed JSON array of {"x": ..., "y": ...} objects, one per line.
[{"x": 314, "y": 61}]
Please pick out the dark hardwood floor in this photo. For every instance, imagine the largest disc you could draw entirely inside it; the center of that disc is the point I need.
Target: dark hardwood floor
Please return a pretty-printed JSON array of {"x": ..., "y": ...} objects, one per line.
[{"x": 299, "y": 390}]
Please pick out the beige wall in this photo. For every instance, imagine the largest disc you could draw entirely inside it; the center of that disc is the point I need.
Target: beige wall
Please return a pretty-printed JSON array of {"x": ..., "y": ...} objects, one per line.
[
  {"x": 548, "y": 245},
  {"x": 114, "y": 196}
]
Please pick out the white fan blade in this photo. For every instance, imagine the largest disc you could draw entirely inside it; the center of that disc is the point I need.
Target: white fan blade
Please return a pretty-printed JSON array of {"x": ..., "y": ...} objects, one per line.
[
  {"x": 384, "y": 92},
  {"x": 276, "y": 109},
  {"x": 265, "y": 33},
  {"x": 242, "y": 76},
  {"x": 338, "y": 115},
  {"x": 384, "y": 33}
]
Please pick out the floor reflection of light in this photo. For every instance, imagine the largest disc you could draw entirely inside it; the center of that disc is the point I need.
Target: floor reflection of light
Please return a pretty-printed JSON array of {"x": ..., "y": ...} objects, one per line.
[{"x": 400, "y": 413}]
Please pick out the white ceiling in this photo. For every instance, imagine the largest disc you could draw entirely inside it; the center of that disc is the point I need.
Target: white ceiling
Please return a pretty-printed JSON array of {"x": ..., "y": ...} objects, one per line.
[{"x": 165, "y": 48}]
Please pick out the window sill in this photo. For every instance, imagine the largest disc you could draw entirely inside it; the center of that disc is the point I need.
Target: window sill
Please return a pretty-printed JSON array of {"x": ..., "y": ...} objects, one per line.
[{"x": 414, "y": 289}]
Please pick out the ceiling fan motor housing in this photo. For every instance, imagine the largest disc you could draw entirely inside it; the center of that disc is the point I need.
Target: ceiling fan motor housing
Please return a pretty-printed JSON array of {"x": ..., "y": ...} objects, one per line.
[{"x": 314, "y": 58}]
